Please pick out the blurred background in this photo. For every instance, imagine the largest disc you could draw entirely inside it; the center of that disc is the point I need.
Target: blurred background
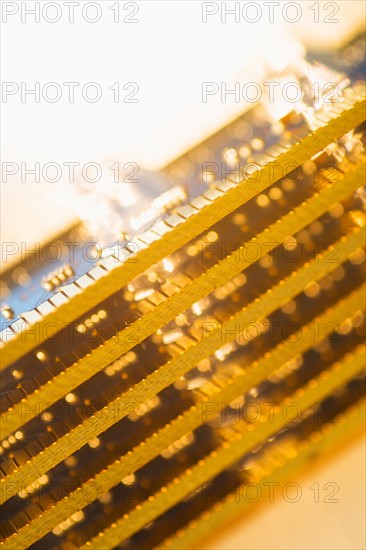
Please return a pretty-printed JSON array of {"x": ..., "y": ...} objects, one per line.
[{"x": 168, "y": 53}]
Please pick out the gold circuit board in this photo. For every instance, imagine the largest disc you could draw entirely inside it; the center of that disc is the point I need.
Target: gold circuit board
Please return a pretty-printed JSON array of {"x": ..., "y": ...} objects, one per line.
[{"x": 219, "y": 346}]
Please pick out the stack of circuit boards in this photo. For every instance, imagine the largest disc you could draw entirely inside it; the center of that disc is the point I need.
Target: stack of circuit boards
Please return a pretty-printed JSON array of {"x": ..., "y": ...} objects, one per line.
[{"x": 147, "y": 386}]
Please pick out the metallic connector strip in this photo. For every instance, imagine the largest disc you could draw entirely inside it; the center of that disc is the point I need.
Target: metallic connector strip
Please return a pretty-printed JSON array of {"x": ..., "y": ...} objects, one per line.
[
  {"x": 55, "y": 389},
  {"x": 194, "y": 417},
  {"x": 330, "y": 438},
  {"x": 183, "y": 226},
  {"x": 173, "y": 369},
  {"x": 319, "y": 388}
]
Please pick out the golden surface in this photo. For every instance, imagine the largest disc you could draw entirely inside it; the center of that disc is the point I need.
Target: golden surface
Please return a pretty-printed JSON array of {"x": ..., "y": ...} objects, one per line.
[
  {"x": 190, "y": 420},
  {"x": 328, "y": 440},
  {"x": 213, "y": 278},
  {"x": 224, "y": 386},
  {"x": 316, "y": 390},
  {"x": 340, "y": 120}
]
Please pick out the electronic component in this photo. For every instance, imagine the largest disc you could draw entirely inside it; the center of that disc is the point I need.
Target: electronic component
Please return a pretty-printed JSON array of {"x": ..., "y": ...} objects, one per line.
[{"x": 148, "y": 381}]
